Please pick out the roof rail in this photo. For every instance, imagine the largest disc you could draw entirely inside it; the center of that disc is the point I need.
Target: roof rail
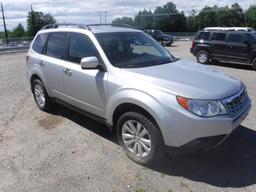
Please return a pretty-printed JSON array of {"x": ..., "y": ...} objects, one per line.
[
  {"x": 114, "y": 25},
  {"x": 84, "y": 26},
  {"x": 57, "y": 25}
]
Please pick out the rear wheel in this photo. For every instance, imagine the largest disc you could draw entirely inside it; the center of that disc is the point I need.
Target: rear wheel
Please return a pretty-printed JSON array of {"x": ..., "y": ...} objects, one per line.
[
  {"x": 203, "y": 57},
  {"x": 41, "y": 97},
  {"x": 140, "y": 138}
]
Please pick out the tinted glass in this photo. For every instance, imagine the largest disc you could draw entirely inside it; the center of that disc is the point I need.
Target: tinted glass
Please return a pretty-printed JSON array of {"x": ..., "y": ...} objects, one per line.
[
  {"x": 251, "y": 37},
  {"x": 39, "y": 42},
  {"x": 219, "y": 36},
  {"x": 133, "y": 50},
  {"x": 203, "y": 36},
  {"x": 80, "y": 46},
  {"x": 56, "y": 46},
  {"x": 236, "y": 38}
]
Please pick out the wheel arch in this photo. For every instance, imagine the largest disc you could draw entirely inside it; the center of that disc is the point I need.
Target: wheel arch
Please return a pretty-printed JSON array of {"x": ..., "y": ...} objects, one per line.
[
  {"x": 37, "y": 74},
  {"x": 128, "y": 100},
  {"x": 128, "y": 107}
]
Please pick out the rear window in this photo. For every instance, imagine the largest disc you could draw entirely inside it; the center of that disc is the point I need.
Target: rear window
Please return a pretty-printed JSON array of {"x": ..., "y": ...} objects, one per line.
[
  {"x": 219, "y": 36},
  {"x": 39, "y": 42},
  {"x": 236, "y": 38},
  {"x": 203, "y": 36},
  {"x": 57, "y": 44}
]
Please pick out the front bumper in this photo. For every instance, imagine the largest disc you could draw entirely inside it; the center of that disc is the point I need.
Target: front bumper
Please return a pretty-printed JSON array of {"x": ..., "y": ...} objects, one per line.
[
  {"x": 189, "y": 133},
  {"x": 197, "y": 145}
]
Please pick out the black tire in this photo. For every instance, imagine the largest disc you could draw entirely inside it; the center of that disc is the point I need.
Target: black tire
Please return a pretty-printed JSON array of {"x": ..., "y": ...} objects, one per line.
[
  {"x": 203, "y": 57},
  {"x": 48, "y": 104},
  {"x": 254, "y": 64},
  {"x": 157, "y": 149}
]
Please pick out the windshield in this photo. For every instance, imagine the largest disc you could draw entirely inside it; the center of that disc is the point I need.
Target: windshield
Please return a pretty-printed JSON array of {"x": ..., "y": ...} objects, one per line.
[{"x": 133, "y": 50}]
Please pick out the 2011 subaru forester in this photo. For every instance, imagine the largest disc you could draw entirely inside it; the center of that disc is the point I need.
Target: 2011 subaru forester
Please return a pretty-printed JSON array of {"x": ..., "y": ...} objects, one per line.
[{"x": 123, "y": 77}]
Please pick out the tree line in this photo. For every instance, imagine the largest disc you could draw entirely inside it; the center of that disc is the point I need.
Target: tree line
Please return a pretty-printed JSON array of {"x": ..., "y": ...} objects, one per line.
[
  {"x": 168, "y": 18},
  {"x": 35, "y": 21}
]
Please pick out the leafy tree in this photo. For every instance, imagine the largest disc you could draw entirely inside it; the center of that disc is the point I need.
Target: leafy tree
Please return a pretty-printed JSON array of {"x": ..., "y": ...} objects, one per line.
[
  {"x": 18, "y": 31},
  {"x": 123, "y": 20},
  {"x": 206, "y": 17},
  {"x": 36, "y": 20},
  {"x": 251, "y": 16},
  {"x": 144, "y": 19}
]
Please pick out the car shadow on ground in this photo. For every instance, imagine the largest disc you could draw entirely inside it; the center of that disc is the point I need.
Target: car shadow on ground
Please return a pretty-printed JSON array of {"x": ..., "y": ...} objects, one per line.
[
  {"x": 233, "y": 65},
  {"x": 233, "y": 164}
]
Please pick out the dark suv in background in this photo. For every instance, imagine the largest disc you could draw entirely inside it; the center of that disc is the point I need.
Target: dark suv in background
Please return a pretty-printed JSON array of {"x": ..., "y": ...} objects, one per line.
[
  {"x": 230, "y": 46},
  {"x": 165, "y": 39}
]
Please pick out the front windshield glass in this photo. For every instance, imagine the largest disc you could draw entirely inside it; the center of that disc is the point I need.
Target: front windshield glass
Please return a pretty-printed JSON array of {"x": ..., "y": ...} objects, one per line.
[{"x": 133, "y": 50}]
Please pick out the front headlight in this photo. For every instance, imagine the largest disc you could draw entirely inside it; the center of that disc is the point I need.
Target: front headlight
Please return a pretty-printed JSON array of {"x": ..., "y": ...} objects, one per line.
[{"x": 202, "y": 108}]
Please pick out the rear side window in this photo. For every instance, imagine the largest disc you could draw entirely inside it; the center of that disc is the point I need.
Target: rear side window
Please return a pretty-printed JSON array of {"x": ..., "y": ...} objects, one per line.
[
  {"x": 39, "y": 42},
  {"x": 219, "y": 36},
  {"x": 203, "y": 36},
  {"x": 80, "y": 46},
  {"x": 57, "y": 44},
  {"x": 236, "y": 38}
]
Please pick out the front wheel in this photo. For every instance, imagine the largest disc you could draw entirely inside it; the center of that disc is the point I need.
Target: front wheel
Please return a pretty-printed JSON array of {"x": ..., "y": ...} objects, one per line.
[
  {"x": 254, "y": 64},
  {"x": 140, "y": 138},
  {"x": 203, "y": 57}
]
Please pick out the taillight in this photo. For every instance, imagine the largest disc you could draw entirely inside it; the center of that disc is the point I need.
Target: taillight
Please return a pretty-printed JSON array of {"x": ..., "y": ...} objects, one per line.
[
  {"x": 27, "y": 57},
  {"x": 193, "y": 44}
]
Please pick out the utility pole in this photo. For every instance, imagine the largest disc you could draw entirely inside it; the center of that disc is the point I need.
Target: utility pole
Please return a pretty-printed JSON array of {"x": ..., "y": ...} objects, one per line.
[
  {"x": 5, "y": 30},
  {"x": 100, "y": 16},
  {"x": 103, "y": 14},
  {"x": 245, "y": 19},
  {"x": 33, "y": 21}
]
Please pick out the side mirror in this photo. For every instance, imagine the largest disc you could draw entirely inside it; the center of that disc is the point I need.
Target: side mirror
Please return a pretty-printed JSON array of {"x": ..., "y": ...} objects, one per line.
[{"x": 90, "y": 63}]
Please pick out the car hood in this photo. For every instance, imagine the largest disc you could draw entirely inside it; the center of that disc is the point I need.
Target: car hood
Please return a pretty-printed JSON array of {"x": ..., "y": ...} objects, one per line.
[{"x": 188, "y": 79}]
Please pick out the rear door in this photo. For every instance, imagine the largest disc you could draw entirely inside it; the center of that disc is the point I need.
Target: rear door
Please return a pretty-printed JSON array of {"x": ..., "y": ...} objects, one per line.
[
  {"x": 218, "y": 45},
  {"x": 237, "y": 49}
]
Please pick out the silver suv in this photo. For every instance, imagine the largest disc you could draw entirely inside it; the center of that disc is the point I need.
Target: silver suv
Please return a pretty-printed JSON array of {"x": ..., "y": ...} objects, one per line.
[{"x": 124, "y": 78}]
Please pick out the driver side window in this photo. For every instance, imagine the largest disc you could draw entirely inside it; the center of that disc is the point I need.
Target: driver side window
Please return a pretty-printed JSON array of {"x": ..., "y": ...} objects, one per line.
[{"x": 80, "y": 46}]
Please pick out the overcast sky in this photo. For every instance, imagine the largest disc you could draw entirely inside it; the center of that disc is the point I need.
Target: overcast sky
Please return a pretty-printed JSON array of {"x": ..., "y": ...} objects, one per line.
[{"x": 87, "y": 11}]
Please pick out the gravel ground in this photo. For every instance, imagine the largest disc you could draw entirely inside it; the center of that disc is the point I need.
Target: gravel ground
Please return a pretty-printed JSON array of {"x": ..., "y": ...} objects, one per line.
[{"x": 64, "y": 151}]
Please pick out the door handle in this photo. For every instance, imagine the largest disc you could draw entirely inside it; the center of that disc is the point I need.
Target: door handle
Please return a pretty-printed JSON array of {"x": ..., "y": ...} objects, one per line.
[{"x": 68, "y": 72}]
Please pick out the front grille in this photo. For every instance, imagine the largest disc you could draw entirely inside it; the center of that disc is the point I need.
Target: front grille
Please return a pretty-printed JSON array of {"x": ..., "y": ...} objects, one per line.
[{"x": 237, "y": 102}]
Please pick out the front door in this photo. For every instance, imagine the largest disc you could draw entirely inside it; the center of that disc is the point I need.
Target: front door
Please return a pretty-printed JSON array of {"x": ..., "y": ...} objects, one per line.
[
  {"x": 85, "y": 89},
  {"x": 237, "y": 49}
]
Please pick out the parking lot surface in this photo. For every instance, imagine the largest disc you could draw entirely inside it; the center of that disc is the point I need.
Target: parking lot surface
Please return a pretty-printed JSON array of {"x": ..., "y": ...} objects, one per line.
[{"x": 64, "y": 151}]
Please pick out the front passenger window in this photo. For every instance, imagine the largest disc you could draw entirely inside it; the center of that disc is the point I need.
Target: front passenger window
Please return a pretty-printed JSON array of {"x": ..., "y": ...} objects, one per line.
[{"x": 80, "y": 46}]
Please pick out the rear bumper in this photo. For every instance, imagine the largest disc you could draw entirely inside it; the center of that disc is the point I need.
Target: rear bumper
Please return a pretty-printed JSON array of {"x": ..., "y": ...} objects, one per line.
[{"x": 192, "y": 51}]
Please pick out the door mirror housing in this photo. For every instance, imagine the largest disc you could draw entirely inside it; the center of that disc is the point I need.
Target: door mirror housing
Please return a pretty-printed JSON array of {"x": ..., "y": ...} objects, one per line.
[{"x": 90, "y": 63}]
